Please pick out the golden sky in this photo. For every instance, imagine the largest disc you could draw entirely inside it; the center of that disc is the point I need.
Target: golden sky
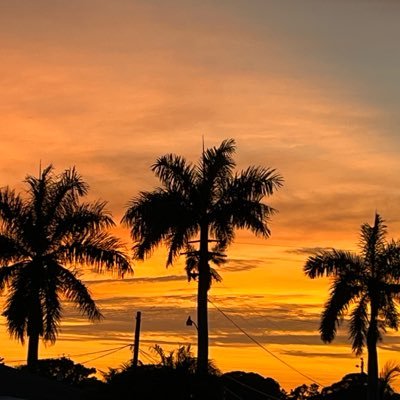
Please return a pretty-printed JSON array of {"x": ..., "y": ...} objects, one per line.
[{"x": 307, "y": 87}]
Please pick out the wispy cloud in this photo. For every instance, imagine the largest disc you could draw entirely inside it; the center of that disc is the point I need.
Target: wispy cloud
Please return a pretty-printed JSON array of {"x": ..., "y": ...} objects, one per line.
[
  {"x": 241, "y": 265},
  {"x": 300, "y": 353},
  {"x": 146, "y": 279},
  {"x": 308, "y": 250}
]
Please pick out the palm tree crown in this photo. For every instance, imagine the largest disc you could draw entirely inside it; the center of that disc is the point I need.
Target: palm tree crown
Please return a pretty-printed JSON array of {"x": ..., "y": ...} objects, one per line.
[
  {"x": 41, "y": 234},
  {"x": 208, "y": 201},
  {"x": 367, "y": 285}
]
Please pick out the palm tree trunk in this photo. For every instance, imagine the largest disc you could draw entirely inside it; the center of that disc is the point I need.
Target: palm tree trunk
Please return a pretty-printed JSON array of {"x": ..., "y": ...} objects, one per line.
[
  {"x": 34, "y": 327},
  {"x": 202, "y": 304},
  {"x": 373, "y": 389},
  {"x": 33, "y": 350}
]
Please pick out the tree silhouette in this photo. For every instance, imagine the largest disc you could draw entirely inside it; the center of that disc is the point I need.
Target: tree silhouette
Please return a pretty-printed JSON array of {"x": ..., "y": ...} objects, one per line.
[
  {"x": 207, "y": 201},
  {"x": 64, "y": 370},
  {"x": 41, "y": 234},
  {"x": 368, "y": 284}
]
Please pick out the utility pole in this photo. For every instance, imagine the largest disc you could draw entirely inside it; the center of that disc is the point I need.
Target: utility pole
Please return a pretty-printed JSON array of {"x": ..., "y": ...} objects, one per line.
[
  {"x": 136, "y": 342},
  {"x": 361, "y": 366}
]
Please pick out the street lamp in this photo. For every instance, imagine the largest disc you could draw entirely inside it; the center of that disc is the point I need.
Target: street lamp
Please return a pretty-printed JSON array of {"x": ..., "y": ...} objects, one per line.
[{"x": 190, "y": 322}]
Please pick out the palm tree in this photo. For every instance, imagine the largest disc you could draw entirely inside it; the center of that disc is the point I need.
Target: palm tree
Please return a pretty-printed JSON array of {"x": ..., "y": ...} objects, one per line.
[
  {"x": 390, "y": 373},
  {"x": 41, "y": 235},
  {"x": 369, "y": 285},
  {"x": 207, "y": 201}
]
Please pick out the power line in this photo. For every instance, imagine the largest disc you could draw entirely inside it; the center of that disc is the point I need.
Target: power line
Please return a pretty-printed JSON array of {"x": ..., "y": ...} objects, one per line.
[
  {"x": 270, "y": 396},
  {"x": 78, "y": 355},
  {"x": 145, "y": 356},
  {"x": 148, "y": 356},
  {"x": 107, "y": 354},
  {"x": 94, "y": 352},
  {"x": 262, "y": 346},
  {"x": 232, "y": 393}
]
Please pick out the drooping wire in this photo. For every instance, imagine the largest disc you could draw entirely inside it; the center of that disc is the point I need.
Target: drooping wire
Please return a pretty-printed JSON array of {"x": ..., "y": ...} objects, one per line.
[
  {"x": 261, "y": 345},
  {"x": 236, "y": 396},
  {"x": 270, "y": 396},
  {"x": 80, "y": 354},
  {"x": 95, "y": 352},
  {"x": 148, "y": 356},
  {"x": 107, "y": 354}
]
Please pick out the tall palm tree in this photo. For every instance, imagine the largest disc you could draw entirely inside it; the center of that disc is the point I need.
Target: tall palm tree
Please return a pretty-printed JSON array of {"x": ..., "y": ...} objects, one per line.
[
  {"x": 206, "y": 201},
  {"x": 368, "y": 285},
  {"x": 42, "y": 234}
]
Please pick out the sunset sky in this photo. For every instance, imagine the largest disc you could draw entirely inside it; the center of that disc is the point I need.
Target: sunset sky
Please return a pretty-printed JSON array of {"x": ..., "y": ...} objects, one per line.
[{"x": 310, "y": 88}]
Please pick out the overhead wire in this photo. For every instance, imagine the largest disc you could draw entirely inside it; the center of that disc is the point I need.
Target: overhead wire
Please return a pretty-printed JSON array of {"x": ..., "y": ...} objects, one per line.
[
  {"x": 148, "y": 356},
  {"x": 262, "y": 346},
  {"x": 270, "y": 396},
  {"x": 107, "y": 354},
  {"x": 232, "y": 393},
  {"x": 95, "y": 352},
  {"x": 80, "y": 354}
]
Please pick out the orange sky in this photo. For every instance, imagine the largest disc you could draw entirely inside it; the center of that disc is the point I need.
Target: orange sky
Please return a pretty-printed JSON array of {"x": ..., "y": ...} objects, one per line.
[{"x": 308, "y": 87}]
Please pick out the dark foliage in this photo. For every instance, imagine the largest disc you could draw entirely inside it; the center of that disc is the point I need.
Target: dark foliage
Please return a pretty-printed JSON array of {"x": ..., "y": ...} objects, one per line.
[
  {"x": 250, "y": 386},
  {"x": 63, "y": 370}
]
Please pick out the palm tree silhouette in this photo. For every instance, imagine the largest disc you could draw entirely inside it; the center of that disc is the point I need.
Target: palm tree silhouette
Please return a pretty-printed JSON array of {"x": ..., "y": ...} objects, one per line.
[
  {"x": 206, "y": 200},
  {"x": 40, "y": 235},
  {"x": 368, "y": 284}
]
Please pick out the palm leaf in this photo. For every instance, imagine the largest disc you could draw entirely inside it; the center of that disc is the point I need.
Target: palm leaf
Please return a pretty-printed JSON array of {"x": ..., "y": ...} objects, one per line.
[
  {"x": 333, "y": 262},
  {"x": 76, "y": 291},
  {"x": 101, "y": 250},
  {"x": 359, "y": 325},
  {"x": 341, "y": 296},
  {"x": 175, "y": 173},
  {"x": 372, "y": 240},
  {"x": 158, "y": 216}
]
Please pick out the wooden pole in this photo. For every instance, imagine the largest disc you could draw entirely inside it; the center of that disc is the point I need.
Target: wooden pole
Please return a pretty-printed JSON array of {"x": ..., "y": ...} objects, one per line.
[{"x": 137, "y": 337}]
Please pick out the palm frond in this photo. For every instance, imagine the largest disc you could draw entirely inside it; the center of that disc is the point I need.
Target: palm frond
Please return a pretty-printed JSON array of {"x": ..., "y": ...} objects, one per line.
[
  {"x": 333, "y": 262},
  {"x": 216, "y": 166},
  {"x": 175, "y": 173},
  {"x": 15, "y": 312},
  {"x": 50, "y": 302},
  {"x": 155, "y": 217},
  {"x": 8, "y": 272},
  {"x": 83, "y": 219},
  {"x": 215, "y": 256},
  {"x": 359, "y": 325},
  {"x": 254, "y": 183},
  {"x": 64, "y": 193},
  {"x": 341, "y": 295},
  {"x": 101, "y": 250},
  {"x": 245, "y": 214},
  {"x": 76, "y": 291},
  {"x": 372, "y": 241},
  {"x": 388, "y": 309},
  {"x": 177, "y": 240},
  {"x": 388, "y": 261},
  {"x": 12, "y": 210},
  {"x": 11, "y": 249},
  {"x": 39, "y": 190},
  {"x": 20, "y": 307},
  {"x": 390, "y": 373}
]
